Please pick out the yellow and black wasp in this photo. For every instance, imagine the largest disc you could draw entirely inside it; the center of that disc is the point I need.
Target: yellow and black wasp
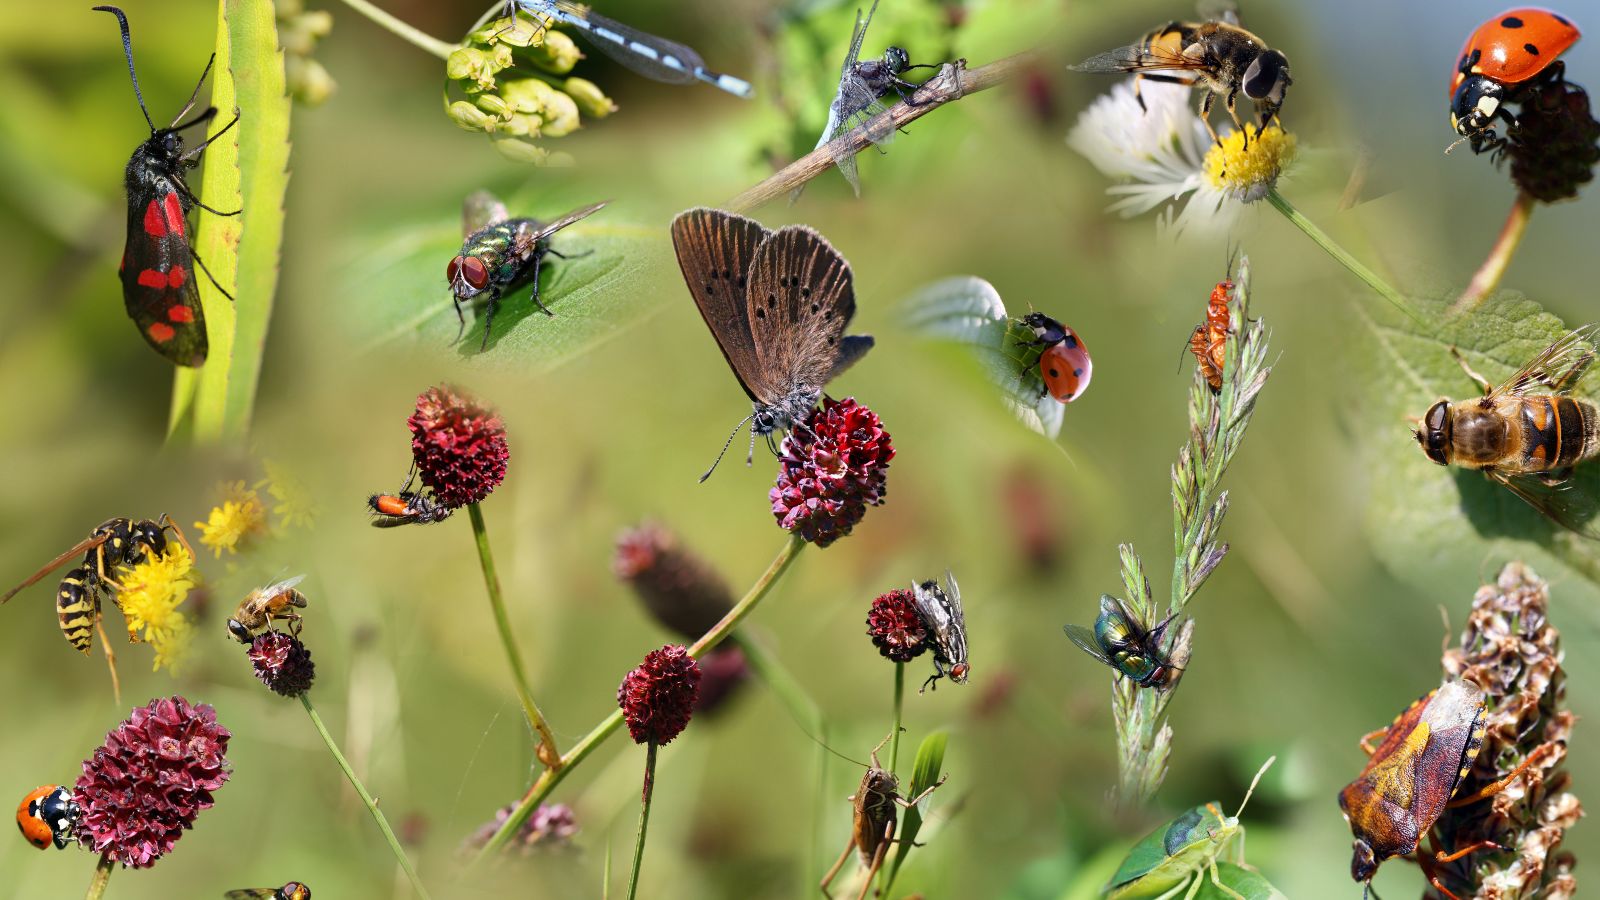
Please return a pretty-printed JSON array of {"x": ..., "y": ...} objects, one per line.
[{"x": 116, "y": 542}]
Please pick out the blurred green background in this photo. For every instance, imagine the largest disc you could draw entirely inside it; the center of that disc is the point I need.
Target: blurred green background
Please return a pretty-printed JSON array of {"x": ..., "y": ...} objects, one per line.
[{"x": 1304, "y": 640}]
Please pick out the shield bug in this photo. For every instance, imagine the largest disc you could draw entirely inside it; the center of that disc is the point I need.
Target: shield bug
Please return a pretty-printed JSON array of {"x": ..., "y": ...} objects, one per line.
[
  {"x": 157, "y": 271},
  {"x": 872, "y": 830},
  {"x": 940, "y": 609},
  {"x": 1183, "y": 851},
  {"x": 1412, "y": 776},
  {"x": 1121, "y": 641}
]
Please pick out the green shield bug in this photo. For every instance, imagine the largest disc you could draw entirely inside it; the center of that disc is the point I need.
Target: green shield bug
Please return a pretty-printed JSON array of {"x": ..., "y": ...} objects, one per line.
[{"x": 1182, "y": 853}]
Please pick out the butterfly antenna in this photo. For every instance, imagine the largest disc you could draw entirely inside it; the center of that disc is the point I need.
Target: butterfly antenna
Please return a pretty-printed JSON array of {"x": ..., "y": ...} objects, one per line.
[
  {"x": 728, "y": 443},
  {"x": 1253, "y": 782},
  {"x": 127, "y": 51}
]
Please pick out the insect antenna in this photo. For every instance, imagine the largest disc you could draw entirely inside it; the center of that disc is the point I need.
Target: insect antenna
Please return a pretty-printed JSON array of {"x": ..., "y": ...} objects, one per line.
[
  {"x": 127, "y": 51},
  {"x": 1455, "y": 143},
  {"x": 190, "y": 105},
  {"x": 1253, "y": 782},
  {"x": 729, "y": 443}
]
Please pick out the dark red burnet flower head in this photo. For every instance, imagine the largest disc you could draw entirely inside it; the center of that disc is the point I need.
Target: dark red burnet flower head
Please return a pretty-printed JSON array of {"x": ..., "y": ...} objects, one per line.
[
  {"x": 282, "y": 663},
  {"x": 896, "y": 628},
  {"x": 658, "y": 697},
  {"x": 459, "y": 446},
  {"x": 143, "y": 787},
  {"x": 680, "y": 589},
  {"x": 1556, "y": 142},
  {"x": 830, "y": 470}
]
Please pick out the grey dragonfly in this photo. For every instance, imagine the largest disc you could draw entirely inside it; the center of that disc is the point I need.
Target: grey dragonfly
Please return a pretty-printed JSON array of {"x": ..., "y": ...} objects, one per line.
[
  {"x": 862, "y": 86},
  {"x": 653, "y": 57}
]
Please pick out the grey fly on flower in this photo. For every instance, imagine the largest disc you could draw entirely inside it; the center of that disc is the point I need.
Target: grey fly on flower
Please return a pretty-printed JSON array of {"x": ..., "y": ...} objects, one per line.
[{"x": 941, "y": 613}]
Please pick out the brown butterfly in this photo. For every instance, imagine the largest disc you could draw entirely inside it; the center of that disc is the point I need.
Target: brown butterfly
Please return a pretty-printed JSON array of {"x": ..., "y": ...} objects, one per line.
[{"x": 777, "y": 302}]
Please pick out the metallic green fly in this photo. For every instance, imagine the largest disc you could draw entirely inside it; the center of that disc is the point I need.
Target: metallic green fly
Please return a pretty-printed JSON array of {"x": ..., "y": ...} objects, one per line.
[
  {"x": 1182, "y": 853},
  {"x": 1121, "y": 641}
]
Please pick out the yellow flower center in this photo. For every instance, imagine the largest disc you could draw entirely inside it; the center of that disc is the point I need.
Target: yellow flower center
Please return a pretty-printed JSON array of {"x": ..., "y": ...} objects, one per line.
[
  {"x": 152, "y": 592},
  {"x": 241, "y": 515},
  {"x": 1247, "y": 167}
]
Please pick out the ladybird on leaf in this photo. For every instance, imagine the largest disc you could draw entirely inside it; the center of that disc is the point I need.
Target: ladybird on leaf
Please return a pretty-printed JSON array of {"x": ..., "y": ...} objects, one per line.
[{"x": 1064, "y": 365}]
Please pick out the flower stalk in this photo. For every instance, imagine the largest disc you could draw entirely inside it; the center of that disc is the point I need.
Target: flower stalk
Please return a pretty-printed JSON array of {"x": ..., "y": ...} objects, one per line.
[
  {"x": 102, "y": 877},
  {"x": 366, "y": 798},
  {"x": 1217, "y": 423},
  {"x": 644, "y": 817},
  {"x": 402, "y": 30},
  {"x": 553, "y": 776},
  {"x": 1339, "y": 254},
  {"x": 899, "y": 707},
  {"x": 547, "y": 751},
  {"x": 1488, "y": 276}
]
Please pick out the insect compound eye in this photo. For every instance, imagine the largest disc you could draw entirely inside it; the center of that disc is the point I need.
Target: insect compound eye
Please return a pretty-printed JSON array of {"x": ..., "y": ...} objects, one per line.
[
  {"x": 1267, "y": 77},
  {"x": 239, "y": 632},
  {"x": 453, "y": 270},
  {"x": 958, "y": 672},
  {"x": 476, "y": 273},
  {"x": 1362, "y": 863},
  {"x": 898, "y": 59}
]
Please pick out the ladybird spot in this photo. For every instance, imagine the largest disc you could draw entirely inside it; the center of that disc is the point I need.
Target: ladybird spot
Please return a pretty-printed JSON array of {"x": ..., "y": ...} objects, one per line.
[
  {"x": 150, "y": 278},
  {"x": 161, "y": 332},
  {"x": 1511, "y": 22},
  {"x": 1562, "y": 19},
  {"x": 180, "y": 313},
  {"x": 1055, "y": 373},
  {"x": 1532, "y": 50},
  {"x": 1070, "y": 342},
  {"x": 1078, "y": 372}
]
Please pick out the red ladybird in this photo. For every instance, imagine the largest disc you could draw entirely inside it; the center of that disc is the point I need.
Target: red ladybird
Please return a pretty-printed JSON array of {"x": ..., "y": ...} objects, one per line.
[
  {"x": 1505, "y": 57},
  {"x": 1209, "y": 343},
  {"x": 48, "y": 816},
  {"x": 1064, "y": 365}
]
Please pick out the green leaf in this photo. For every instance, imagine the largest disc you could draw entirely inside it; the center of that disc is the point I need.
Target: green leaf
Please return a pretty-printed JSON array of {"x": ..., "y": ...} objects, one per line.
[
  {"x": 398, "y": 294},
  {"x": 968, "y": 310},
  {"x": 924, "y": 774},
  {"x": 247, "y": 169},
  {"x": 1250, "y": 884},
  {"x": 1424, "y": 519}
]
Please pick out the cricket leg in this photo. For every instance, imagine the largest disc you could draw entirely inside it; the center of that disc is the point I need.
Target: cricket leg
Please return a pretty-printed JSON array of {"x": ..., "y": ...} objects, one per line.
[
  {"x": 833, "y": 872},
  {"x": 877, "y": 860}
]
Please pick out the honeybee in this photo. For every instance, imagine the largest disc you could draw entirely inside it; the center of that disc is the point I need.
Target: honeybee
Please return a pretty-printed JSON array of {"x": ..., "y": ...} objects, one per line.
[
  {"x": 1216, "y": 54},
  {"x": 294, "y": 890},
  {"x": 257, "y": 610},
  {"x": 1526, "y": 433},
  {"x": 873, "y": 826}
]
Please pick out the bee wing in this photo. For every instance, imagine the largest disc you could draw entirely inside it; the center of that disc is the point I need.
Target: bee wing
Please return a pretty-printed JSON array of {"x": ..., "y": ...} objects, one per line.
[
  {"x": 1219, "y": 11},
  {"x": 248, "y": 893},
  {"x": 1560, "y": 503},
  {"x": 276, "y": 588},
  {"x": 1557, "y": 368},
  {"x": 1139, "y": 58},
  {"x": 1084, "y": 638},
  {"x": 549, "y": 228},
  {"x": 76, "y": 549}
]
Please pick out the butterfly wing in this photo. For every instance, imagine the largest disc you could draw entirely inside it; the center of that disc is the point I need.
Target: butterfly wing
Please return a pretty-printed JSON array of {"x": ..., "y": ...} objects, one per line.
[
  {"x": 480, "y": 210},
  {"x": 851, "y": 348},
  {"x": 801, "y": 297},
  {"x": 715, "y": 251},
  {"x": 158, "y": 274}
]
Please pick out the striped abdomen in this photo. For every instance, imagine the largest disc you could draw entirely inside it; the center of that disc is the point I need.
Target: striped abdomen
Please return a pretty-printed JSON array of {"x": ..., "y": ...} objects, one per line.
[
  {"x": 1558, "y": 432},
  {"x": 77, "y": 605}
]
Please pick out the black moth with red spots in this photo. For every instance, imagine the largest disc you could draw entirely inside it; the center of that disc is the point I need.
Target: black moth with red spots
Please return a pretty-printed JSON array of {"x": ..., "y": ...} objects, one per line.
[{"x": 158, "y": 263}]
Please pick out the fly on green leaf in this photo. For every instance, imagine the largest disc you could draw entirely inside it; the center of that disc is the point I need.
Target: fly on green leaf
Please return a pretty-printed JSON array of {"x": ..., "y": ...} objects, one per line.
[
  {"x": 501, "y": 254},
  {"x": 1121, "y": 641},
  {"x": 1185, "y": 853}
]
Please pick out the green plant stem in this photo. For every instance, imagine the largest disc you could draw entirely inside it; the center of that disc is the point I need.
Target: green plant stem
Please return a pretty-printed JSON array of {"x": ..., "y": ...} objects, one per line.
[
  {"x": 402, "y": 30},
  {"x": 1340, "y": 255},
  {"x": 899, "y": 705},
  {"x": 644, "y": 816},
  {"x": 550, "y": 777},
  {"x": 548, "y": 753},
  {"x": 1488, "y": 276},
  {"x": 372, "y": 805},
  {"x": 102, "y": 876},
  {"x": 782, "y": 683}
]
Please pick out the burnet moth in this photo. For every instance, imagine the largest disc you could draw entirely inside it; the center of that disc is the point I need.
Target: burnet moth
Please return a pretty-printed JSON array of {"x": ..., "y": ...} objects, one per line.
[{"x": 157, "y": 271}]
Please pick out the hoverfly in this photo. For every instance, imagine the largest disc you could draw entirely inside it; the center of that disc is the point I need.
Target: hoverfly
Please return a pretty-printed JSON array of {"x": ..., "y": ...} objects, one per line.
[
  {"x": 1121, "y": 641},
  {"x": 261, "y": 606},
  {"x": 116, "y": 542},
  {"x": 1525, "y": 433},
  {"x": 873, "y": 826},
  {"x": 940, "y": 609},
  {"x": 294, "y": 890},
  {"x": 1217, "y": 55}
]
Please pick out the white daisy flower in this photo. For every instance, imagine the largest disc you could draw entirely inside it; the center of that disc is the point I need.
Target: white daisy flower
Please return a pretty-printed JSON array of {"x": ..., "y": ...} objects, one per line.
[{"x": 1165, "y": 158}]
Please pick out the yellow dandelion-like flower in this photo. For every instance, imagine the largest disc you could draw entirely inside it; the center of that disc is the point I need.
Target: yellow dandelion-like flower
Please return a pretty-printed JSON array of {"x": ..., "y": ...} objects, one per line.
[
  {"x": 152, "y": 592},
  {"x": 297, "y": 505},
  {"x": 241, "y": 515},
  {"x": 1247, "y": 169}
]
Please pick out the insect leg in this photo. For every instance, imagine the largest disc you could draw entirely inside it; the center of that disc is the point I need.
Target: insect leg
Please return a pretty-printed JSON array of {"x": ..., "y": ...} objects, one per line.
[
  {"x": 558, "y": 254},
  {"x": 833, "y": 872},
  {"x": 1366, "y": 740},
  {"x": 111, "y": 659},
  {"x": 1138, "y": 79},
  {"x": 460, "y": 333},
  {"x": 919, "y": 798},
  {"x": 192, "y": 200},
  {"x": 494, "y": 304},
  {"x": 1471, "y": 373},
  {"x": 538, "y": 263},
  {"x": 1217, "y": 881},
  {"x": 1495, "y": 788},
  {"x": 1233, "y": 113},
  {"x": 165, "y": 521},
  {"x": 1443, "y": 857},
  {"x": 877, "y": 859},
  {"x": 1206, "y": 101},
  {"x": 212, "y": 278}
]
